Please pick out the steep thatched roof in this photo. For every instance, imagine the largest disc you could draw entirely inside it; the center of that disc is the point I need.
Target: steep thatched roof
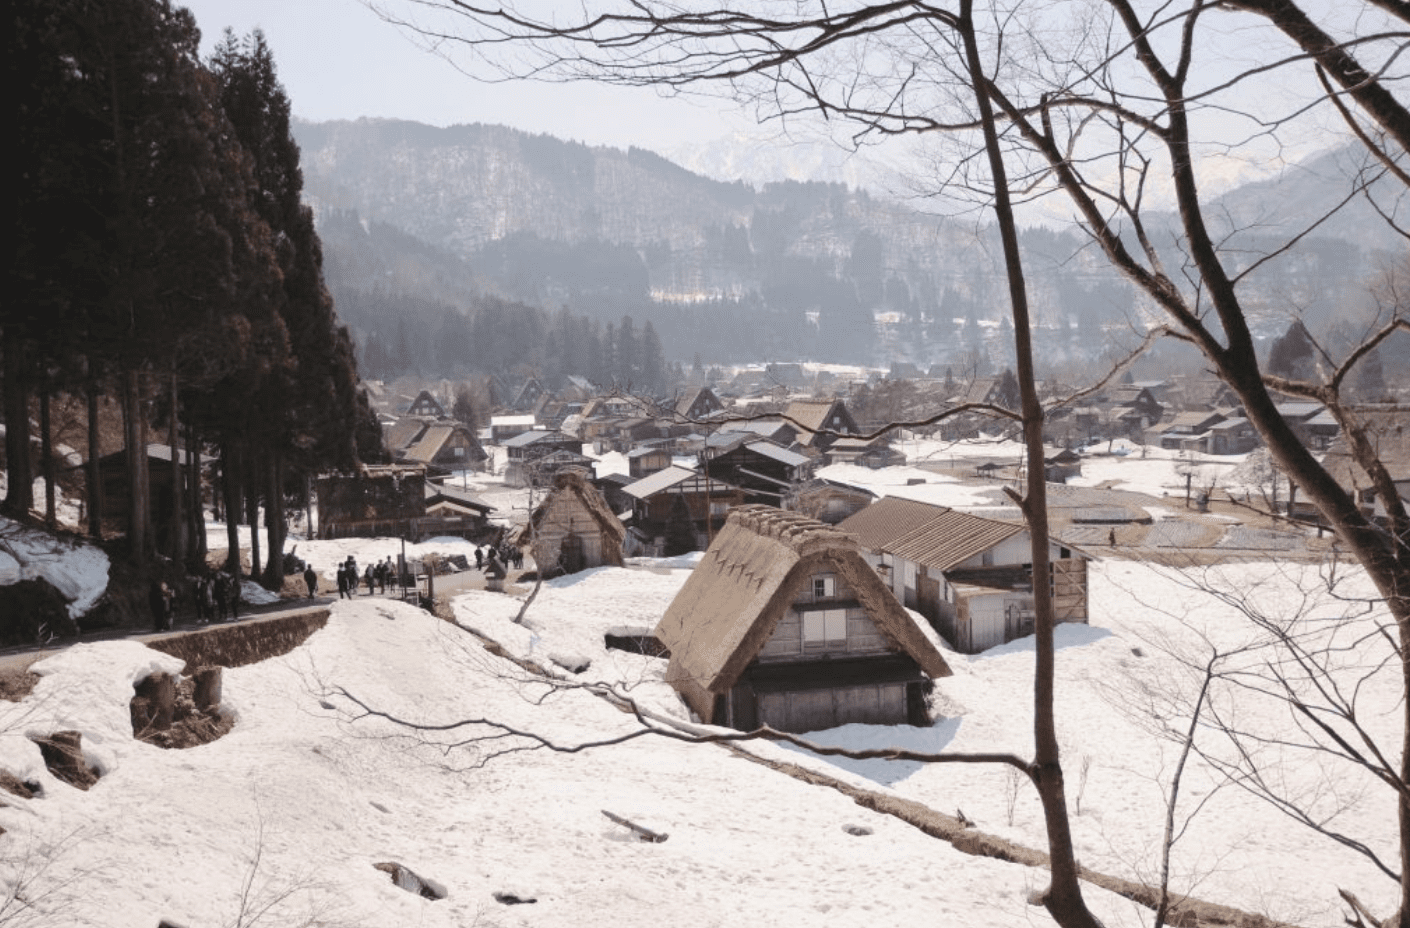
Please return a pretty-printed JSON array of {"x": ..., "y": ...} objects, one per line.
[
  {"x": 745, "y": 584},
  {"x": 576, "y": 483}
]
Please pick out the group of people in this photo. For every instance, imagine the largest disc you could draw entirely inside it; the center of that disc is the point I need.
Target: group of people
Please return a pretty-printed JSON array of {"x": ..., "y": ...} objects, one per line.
[
  {"x": 214, "y": 596},
  {"x": 217, "y": 597},
  {"x": 505, "y": 555},
  {"x": 376, "y": 576}
]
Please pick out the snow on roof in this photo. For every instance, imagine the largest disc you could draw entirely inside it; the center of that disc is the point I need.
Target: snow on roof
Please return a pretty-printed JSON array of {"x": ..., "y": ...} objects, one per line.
[
  {"x": 674, "y": 475},
  {"x": 779, "y": 453}
]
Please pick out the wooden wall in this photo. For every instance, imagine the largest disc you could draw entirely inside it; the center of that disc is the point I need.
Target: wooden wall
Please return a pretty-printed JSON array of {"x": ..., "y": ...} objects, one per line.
[{"x": 863, "y": 637}]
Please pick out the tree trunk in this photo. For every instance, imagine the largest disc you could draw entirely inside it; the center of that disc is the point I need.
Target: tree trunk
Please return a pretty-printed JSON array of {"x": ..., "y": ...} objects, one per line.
[
  {"x": 230, "y": 474},
  {"x": 196, "y": 516},
  {"x": 139, "y": 509},
  {"x": 274, "y": 521},
  {"x": 178, "y": 491},
  {"x": 19, "y": 497},
  {"x": 251, "y": 483},
  {"x": 94, "y": 471},
  {"x": 1064, "y": 896},
  {"x": 46, "y": 459}
]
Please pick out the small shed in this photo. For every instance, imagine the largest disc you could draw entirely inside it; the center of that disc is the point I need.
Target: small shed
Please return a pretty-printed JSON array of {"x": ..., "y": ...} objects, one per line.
[
  {"x": 573, "y": 529},
  {"x": 1058, "y": 468},
  {"x": 960, "y": 570},
  {"x": 783, "y": 623}
]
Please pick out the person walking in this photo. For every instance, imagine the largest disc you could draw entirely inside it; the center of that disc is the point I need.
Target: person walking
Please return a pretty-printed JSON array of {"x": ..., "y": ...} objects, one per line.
[
  {"x": 205, "y": 599},
  {"x": 310, "y": 580},
  {"x": 234, "y": 598},
  {"x": 218, "y": 589},
  {"x": 342, "y": 581},
  {"x": 159, "y": 598}
]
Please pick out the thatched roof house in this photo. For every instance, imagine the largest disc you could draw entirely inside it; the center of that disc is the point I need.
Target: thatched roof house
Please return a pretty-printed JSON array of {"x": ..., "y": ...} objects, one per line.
[
  {"x": 573, "y": 529},
  {"x": 783, "y": 623}
]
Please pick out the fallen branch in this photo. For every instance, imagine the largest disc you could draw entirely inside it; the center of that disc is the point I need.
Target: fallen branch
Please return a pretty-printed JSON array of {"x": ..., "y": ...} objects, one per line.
[{"x": 646, "y": 834}]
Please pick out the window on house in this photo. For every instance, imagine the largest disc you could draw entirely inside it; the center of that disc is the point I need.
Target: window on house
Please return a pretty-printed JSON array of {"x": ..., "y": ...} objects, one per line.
[
  {"x": 825, "y": 628},
  {"x": 718, "y": 508},
  {"x": 459, "y": 452},
  {"x": 824, "y": 587}
]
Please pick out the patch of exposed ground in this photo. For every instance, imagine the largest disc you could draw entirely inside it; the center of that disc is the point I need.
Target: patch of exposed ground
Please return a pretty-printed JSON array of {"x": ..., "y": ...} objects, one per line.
[{"x": 16, "y": 679}]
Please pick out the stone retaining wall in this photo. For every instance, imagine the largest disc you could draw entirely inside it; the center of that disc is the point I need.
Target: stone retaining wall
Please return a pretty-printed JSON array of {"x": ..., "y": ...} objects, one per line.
[{"x": 246, "y": 642}]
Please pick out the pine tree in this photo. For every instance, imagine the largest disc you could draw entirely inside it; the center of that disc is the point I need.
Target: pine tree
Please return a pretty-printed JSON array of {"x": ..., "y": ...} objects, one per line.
[
  {"x": 1292, "y": 353},
  {"x": 309, "y": 403},
  {"x": 653, "y": 361}
]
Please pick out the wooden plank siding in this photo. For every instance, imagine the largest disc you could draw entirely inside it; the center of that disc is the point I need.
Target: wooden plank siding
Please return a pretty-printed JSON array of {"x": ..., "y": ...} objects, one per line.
[
  {"x": 1070, "y": 590},
  {"x": 863, "y": 637}
]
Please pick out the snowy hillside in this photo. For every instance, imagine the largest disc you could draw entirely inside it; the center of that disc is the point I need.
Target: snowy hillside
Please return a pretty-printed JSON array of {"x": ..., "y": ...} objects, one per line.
[{"x": 300, "y": 800}]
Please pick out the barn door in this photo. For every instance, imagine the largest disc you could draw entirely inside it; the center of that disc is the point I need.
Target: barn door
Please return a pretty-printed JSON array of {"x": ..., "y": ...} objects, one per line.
[{"x": 570, "y": 554}]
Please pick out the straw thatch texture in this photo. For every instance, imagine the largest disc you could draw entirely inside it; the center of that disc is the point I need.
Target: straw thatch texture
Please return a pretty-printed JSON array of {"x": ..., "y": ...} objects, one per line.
[
  {"x": 746, "y": 583},
  {"x": 573, "y": 506}
]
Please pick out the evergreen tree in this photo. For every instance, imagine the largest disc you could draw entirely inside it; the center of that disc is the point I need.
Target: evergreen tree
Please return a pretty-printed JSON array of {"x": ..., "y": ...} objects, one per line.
[
  {"x": 1006, "y": 390},
  {"x": 1292, "y": 353},
  {"x": 653, "y": 361},
  {"x": 628, "y": 355},
  {"x": 463, "y": 410},
  {"x": 309, "y": 404}
]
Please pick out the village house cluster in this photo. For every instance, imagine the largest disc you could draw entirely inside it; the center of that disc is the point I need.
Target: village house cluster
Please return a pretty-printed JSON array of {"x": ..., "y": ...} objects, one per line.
[{"x": 801, "y": 571}]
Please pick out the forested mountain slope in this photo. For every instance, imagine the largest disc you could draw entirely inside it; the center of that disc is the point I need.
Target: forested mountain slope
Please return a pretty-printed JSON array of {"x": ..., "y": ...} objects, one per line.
[{"x": 734, "y": 272}]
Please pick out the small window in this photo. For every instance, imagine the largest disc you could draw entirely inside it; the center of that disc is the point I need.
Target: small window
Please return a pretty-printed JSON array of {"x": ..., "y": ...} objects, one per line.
[
  {"x": 824, "y": 587},
  {"x": 459, "y": 452},
  {"x": 718, "y": 508},
  {"x": 825, "y": 627}
]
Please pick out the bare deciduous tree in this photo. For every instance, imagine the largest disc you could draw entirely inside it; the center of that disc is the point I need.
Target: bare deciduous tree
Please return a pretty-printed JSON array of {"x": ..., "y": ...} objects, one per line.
[{"x": 1106, "y": 103}]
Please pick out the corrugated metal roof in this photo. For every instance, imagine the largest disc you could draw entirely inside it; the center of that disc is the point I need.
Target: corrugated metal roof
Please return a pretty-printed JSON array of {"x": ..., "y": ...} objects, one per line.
[
  {"x": 456, "y": 495},
  {"x": 888, "y": 519},
  {"x": 779, "y": 453},
  {"x": 925, "y": 533},
  {"x": 952, "y": 538},
  {"x": 536, "y": 435},
  {"x": 652, "y": 484}
]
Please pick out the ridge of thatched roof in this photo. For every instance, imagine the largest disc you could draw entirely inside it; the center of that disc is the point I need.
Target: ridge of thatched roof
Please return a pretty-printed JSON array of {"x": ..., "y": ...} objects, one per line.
[{"x": 745, "y": 584}]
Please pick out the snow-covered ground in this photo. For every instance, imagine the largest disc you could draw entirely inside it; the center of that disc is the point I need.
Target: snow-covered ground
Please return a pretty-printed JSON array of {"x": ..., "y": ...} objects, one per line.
[{"x": 300, "y": 802}]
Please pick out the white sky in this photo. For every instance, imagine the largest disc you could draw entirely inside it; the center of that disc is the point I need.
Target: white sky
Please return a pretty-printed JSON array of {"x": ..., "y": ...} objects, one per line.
[{"x": 338, "y": 60}]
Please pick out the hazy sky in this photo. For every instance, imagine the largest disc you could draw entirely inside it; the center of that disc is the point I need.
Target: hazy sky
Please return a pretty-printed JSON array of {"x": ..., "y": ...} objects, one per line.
[{"x": 338, "y": 60}]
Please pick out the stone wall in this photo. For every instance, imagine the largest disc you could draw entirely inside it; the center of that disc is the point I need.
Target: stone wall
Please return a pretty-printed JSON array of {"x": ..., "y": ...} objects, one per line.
[{"x": 246, "y": 642}]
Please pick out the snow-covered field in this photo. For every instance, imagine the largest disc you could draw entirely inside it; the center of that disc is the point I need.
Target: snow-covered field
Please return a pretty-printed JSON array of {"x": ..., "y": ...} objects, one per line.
[
  {"x": 299, "y": 802},
  {"x": 285, "y": 816}
]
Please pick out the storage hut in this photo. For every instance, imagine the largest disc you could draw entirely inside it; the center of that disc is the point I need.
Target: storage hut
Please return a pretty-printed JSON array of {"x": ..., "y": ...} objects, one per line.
[
  {"x": 572, "y": 529},
  {"x": 971, "y": 577},
  {"x": 783, "y": 623}
]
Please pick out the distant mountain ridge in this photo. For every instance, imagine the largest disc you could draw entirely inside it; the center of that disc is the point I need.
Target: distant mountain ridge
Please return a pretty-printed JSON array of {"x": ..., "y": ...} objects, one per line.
[{"x": 833, "y": 270}]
